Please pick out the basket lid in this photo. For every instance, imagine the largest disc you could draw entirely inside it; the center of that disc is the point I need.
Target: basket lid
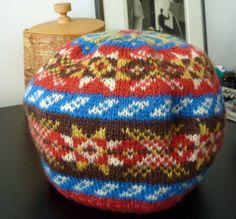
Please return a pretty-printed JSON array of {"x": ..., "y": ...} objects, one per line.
[{"x": 66, "y": 25}]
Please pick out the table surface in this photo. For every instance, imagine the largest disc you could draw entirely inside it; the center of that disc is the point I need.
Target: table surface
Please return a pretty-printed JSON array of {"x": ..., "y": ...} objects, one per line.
[{"x": 25, "y": 192}]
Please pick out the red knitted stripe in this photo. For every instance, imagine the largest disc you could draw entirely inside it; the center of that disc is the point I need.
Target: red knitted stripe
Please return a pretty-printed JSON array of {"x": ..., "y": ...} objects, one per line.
[
  {"x": 166, "y": 54},
  {"x": 177, "y": 87},
  {"x": 126, "y": 206},
  {"x": 147, "y": 51}
]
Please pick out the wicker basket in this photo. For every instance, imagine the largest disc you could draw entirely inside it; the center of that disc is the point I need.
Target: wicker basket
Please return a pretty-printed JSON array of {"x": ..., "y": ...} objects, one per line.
[{"x": 41, "y": 41}]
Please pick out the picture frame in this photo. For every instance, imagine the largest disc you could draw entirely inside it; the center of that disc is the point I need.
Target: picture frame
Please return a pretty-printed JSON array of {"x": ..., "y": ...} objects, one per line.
[{"x": 165, "y": 16}]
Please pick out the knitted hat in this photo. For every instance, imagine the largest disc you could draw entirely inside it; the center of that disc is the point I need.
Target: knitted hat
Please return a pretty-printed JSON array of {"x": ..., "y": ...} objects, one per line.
[{"x": 126, "y": 121}]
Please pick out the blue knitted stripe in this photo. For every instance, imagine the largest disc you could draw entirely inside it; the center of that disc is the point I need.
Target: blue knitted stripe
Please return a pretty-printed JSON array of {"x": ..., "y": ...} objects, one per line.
[
  {"x": 120, "y": 190},
  {"x": 91, "y": 42},
  {"x": 123, "y": 108}
]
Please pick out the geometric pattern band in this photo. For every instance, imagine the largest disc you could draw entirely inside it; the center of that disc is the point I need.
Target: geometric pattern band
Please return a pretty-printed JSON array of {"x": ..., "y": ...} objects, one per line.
[
  {"x": 91, "y": 42},
  {"x": 160, "y": 159},
  {"x": 120, "y": 190},
  {"x": 123, "y": 108},
  {"x": 143, "y": 87},
  {"x": 140, "y": 129}
]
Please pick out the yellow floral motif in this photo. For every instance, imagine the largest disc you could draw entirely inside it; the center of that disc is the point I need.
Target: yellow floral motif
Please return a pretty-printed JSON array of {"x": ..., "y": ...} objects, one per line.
[
  {"x": 199, "y": 163},
  {"x": 176, "y": 170},
  {"x": 204, "y": 130},
  {"x": 81, "y": 165},
  {"x": 174, "y": 129},
  {"x": 54, "y": 162},
  {"x": 136, "y": 134},
  {"x": 147, "y": 134},
  {"x": 101, "y": 133},
  {"x": 142, "y": 171},
  {"x": 78, "y": 132},
  {"x": 49, "y": 124},
  {"x": 104, "y": 168},
  {"x": 218, "y": 127}
]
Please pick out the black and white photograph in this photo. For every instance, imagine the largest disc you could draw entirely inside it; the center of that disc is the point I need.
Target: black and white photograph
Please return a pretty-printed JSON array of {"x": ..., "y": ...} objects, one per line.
[
  {"x": 181, "y": 18},
  {"x": 170, "y": 17},
  {"x": 165, "y": 16}
]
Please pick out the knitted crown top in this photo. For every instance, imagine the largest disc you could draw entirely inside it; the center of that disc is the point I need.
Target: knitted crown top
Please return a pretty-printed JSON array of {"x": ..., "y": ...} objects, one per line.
[{"x": 126, "y": 121}]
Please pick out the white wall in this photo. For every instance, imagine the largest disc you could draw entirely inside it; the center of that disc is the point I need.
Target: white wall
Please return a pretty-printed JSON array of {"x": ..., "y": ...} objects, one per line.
[
  {"x": 117, "y": 11},
  {"x": 15, "y": 16},
  {"x": 221, "y": 31},
  {"x": 194, "y": 28}
]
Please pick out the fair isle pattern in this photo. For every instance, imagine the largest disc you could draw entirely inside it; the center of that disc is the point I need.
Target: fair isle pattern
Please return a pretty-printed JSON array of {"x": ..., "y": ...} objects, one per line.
[
  {"x": 122, "y": 108},
  {"x": 83, "y": 152},
  {"x": 120, "y": 190},
  {"x": 143, "y": 87},
  {"x": 126, "y": 121}
]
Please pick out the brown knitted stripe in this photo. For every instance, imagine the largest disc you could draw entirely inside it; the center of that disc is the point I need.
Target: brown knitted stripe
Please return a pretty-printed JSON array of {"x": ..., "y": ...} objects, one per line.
[
  {"x": 118, "y": 173},
  {"x": 115, "y": 130}
]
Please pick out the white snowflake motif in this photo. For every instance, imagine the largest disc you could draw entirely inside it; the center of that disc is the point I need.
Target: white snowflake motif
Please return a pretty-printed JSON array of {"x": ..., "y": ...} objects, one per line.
[
  {"x": 59, "y": 180},
  {"x": 106, "y": 189},
  {"x": 102, "y": 107},
  {"x": 35, "y": 96},
  {"x": 162, "y": 110},
  {"x": 157, "y": 194},
  {"x": 84, "y": 184},
  {"x": 50, "y": 100},
  {"x": 133, "y": 108},
  {"x": 132, "y": 191},
  {"x": 204, "y": 108},
  {"x": 74, "y": 104}
]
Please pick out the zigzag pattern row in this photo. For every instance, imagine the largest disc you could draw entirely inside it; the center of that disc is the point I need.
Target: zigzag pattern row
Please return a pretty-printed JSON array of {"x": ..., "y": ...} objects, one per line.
[
  {"x": 144, "y": 87},
  {"x": 109, "y": 62},
  {"x": 118, "y": 108},
  {"x": 120, "y": 190},
  {"x": 140, "y": 130}
]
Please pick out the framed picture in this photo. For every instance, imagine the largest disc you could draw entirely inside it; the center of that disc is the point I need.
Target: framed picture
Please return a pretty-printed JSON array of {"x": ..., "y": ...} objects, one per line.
[{"x": 181, "y": 18}]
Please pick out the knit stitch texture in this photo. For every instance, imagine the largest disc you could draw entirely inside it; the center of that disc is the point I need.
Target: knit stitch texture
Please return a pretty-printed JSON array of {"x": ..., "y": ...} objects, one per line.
[{"x": 126, "y": 121}]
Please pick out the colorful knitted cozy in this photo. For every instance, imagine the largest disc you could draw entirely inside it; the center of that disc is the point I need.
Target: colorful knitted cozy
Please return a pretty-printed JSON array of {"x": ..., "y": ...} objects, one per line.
[{"x": 126, "y": 121}]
